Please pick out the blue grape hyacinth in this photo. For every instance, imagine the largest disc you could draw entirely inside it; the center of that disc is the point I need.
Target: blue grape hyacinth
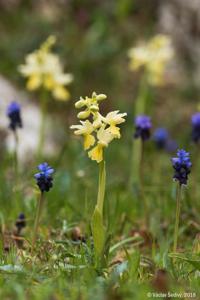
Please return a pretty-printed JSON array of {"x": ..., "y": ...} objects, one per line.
[
  {"x": 182, "y": 166},
  {"x": 143, "y": 127},
  {"x": 161, "y": 137},
  {"x": 196, "y": 127},
  {"x": 21, "y": 222},
  {"x": 14, "y": 114},
  {"x": 44, "y": 177}
]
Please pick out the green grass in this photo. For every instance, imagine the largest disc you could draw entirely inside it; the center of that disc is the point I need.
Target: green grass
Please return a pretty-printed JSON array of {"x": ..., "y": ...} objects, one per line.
[{"x": 62, "y": 266}]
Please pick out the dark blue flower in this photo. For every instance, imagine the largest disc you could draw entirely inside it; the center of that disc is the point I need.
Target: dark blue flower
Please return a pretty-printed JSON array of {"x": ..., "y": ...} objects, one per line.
[
  {"x": 161, "y": 137},
  {"x": 182, "y": 166},
  {"x": 44, "y": 177},
  {"x": 143, "y": 126},
  {"x": 14, "y": 114},
  {"x": 21, "y": 222},
  {"x": 196, "y": 127}
]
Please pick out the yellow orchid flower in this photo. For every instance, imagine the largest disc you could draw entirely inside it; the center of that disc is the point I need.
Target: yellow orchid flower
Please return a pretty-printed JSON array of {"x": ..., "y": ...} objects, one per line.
[
  {"x": 114, "y": 118},
  {"x": 42, "y": 68},
  {"x": 153, "y": 56},
  {"x": 98, "y": 120},
  {"x": 104, "y": 128},
  {"x": 85, "y": 129},
  {"x": 104, "y": 137}
]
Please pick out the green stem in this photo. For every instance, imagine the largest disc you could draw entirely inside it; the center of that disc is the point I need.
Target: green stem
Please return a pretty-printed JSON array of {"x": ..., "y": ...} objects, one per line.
[
  {"x": 178, "y": 207},
  {"x": 42, "y": 124},
  {"x": 37, "y": 218},
  {"x": 140, "y": 108},
  {"x": 141, "y": 177},
  {"x": 16, "y": 155},
  {"x": 101, "y": 188},
  {"x": 97, "y": 224},
  {"x": 140, "y": 104}
]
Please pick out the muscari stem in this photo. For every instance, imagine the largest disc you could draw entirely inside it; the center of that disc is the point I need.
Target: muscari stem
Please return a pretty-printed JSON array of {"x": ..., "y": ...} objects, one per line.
[
  {"x": 101, "y": 188},
  {"x": 141, "y": 177},
  {"x": 42, "y": 124},
  {"x": 16, "y": 155},
  {"x": 178, "y": 207},
  {"x": 37, "y": 218}
]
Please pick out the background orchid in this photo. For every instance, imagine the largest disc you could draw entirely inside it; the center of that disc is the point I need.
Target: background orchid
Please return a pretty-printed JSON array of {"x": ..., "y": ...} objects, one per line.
[{"x": 43, "y": 69}]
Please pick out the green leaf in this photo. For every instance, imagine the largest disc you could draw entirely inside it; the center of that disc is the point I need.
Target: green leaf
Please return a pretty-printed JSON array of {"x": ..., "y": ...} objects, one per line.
[
  {"x": 194, "y": 260},
  {"x": 98, "y": 231}
]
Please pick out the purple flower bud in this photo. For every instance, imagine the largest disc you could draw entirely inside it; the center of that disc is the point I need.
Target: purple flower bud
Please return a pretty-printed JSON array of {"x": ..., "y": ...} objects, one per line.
[
  {"x": 196, "y": 127},
  {"x": 161, "y": 137},
  {"x": 14, "y": 114},
  {"x": 182, "y": 166},
  {"x": 44, "y": 177},
  {"x": 143, "y": 126}
]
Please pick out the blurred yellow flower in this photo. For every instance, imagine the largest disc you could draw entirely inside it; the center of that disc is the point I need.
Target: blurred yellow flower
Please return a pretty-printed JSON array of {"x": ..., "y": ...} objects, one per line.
[
  {"x": 153, "y": 56},
  {"x": 42, "y": 68},
  {"x": 104, "y": 128}
]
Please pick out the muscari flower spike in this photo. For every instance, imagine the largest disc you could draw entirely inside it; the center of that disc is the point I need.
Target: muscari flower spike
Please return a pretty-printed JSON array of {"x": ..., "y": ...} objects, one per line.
[
  {"x": 143, "y": 126},
  {"x": 21, "y": 222},
  {"x": 44, "y": 177},
  {"x": 182, "y": 166},
  {"x": 160, "y": 137},
  {"x": 14, "y": 114},
  {"x": 196, "y": 127}
]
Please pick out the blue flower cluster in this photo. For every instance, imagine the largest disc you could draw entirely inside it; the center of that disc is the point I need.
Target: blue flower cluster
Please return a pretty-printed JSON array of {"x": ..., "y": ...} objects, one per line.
[
  {"x": 162, "y": 140},
  {"x": 196, "y": 127},
  {"x": 44, "y": 177},
  {"x": 182, "y": 166},
  {"x": 21, "y": 222},
  {"x": 14, "y": 114},
  {"x": 161, "y": 137},
  {"x": 143, "y": 127}
]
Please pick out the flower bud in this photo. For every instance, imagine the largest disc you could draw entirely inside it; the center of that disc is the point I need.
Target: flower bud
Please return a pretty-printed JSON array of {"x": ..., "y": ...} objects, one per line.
[
  {"x": 80, "y": 104},
  {"x": 94, "y": 95},
  {"x": 101, "y": 97},
  {"x": 83, "y": 114},
  {"x": 94, "y": 108}
]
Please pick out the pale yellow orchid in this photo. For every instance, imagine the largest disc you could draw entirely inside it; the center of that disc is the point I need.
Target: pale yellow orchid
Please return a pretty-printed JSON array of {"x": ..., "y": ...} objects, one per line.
[
  {"x": 104, "y": 137},
  {"x": 44, "y": 69},
  {"x": 85, "y": 129},
  {"x": 104, "y": 128},
  {"x": 153, "y": 56},
  {"x": 114, "y": 118}
]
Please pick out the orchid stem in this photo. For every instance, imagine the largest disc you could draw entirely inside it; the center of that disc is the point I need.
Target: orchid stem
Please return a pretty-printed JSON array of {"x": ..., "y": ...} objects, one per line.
[
  {"x": 101, "y": 188},
  {"x": 140, "y": 108},
  {"x": 42, "y": 124},
  {"x": 97, "y": 224}
]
